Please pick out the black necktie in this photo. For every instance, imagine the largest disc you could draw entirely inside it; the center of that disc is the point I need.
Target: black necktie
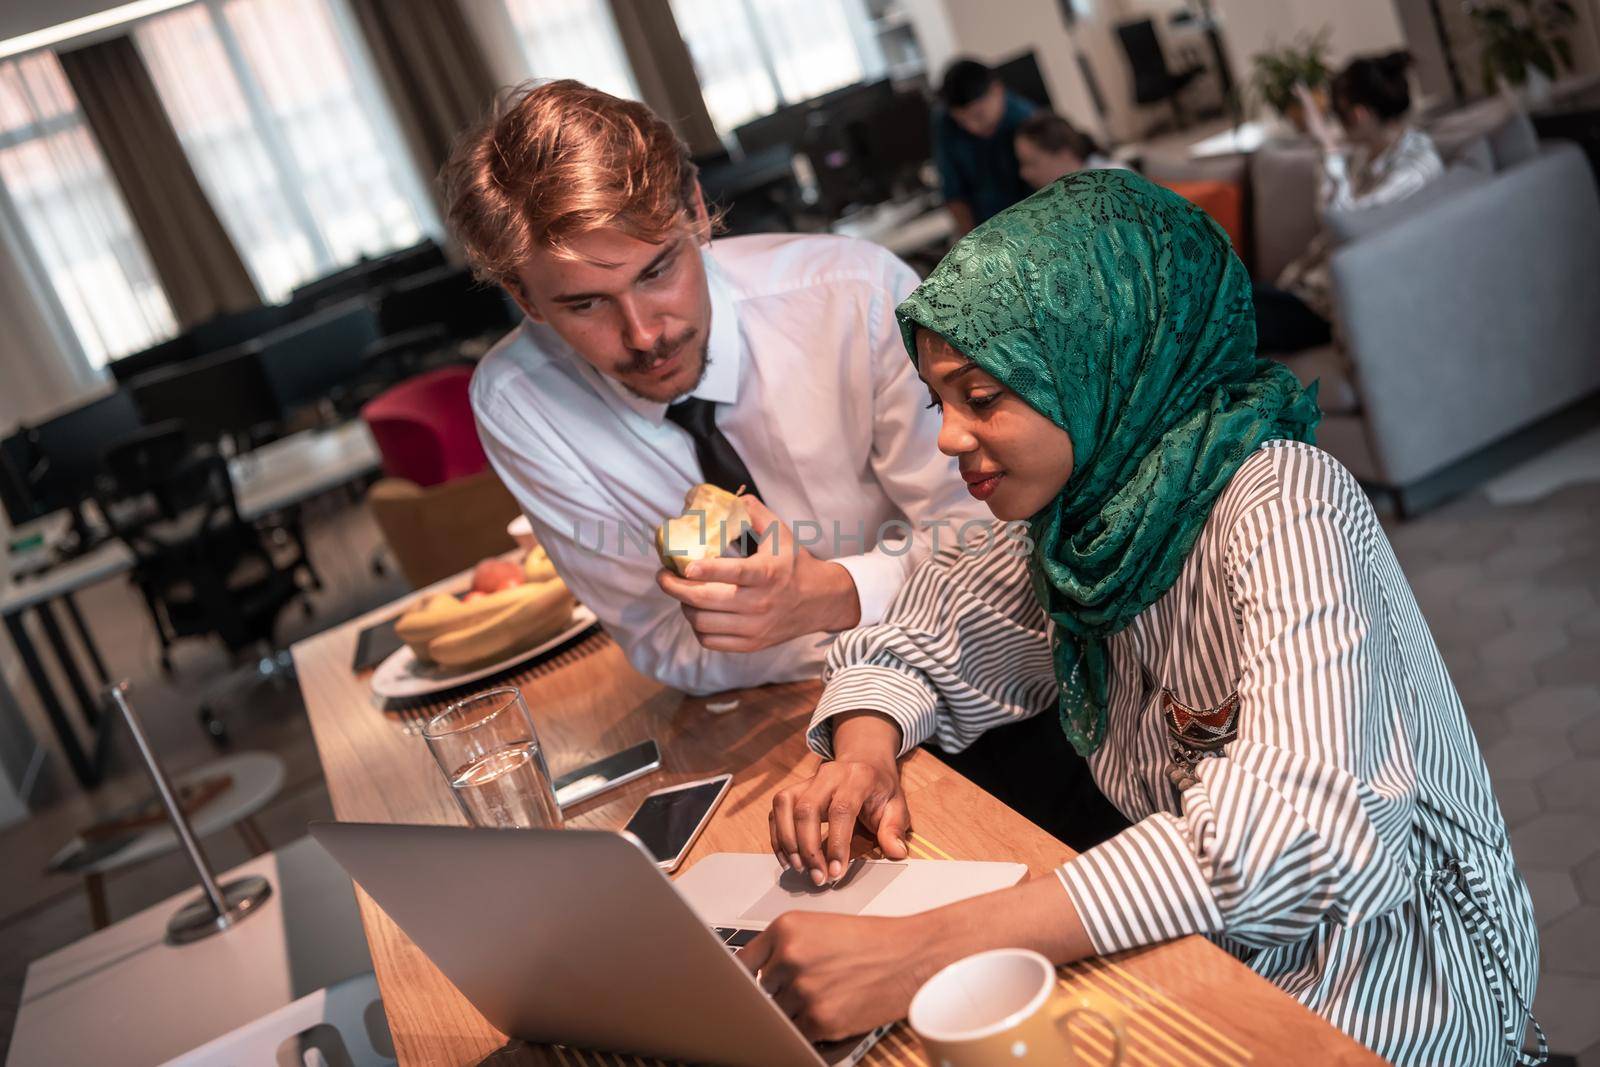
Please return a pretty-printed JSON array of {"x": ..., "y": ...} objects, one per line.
[{"x": 720, "y": 465}]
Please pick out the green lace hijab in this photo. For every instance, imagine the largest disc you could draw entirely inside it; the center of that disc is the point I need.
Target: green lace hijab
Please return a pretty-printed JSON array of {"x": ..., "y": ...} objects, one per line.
[{"x": 1117, "y": 310}]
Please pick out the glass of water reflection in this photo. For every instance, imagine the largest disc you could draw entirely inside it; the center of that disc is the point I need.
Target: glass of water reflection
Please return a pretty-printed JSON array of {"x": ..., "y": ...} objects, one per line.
[{"x": 489, "y": 752}]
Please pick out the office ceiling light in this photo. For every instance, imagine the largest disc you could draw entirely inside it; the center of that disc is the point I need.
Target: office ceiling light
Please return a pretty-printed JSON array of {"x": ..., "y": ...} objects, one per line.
[{"x": 80, "y": 27}]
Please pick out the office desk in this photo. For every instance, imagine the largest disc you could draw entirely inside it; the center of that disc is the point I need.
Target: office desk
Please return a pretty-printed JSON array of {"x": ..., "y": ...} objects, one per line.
[
  {"x": 904, "y": 227},
  {"x": 1191, "y": 1003},
  {"x": 276, "y": 477},
  {"x": 39, "y": 591},
  {"x": 296, "y": 468},
  {"x": 122, "y": 995}
]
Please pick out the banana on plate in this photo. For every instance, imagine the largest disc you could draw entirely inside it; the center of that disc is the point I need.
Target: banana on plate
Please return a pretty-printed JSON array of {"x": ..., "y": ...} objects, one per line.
[
  {"x": 536, "y": 565},
  {"x": 537, "y": 616}
]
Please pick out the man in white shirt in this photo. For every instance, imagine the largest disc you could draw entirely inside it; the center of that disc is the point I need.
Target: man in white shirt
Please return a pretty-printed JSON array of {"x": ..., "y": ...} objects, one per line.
[{"x": 586, "y": 208}]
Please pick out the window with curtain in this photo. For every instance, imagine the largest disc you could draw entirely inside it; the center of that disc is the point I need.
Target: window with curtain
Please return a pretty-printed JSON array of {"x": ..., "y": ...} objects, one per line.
[
  {"x": 66, "y": 204},
  {"x": 752, "y": 56},
  {"x": 285, "y": 127},
  {"x": 572, "y": 39}
]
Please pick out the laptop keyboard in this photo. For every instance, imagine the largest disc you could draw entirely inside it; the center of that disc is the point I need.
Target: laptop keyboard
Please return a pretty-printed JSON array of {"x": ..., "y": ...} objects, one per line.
[{"x": 734, "y": 937}]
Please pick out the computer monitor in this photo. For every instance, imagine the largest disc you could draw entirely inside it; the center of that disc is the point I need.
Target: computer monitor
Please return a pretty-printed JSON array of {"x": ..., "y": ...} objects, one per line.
[
  {"x": 63, "y": 458},
  {"x": 897, "y": 139},
  {"x": 174, "y": 350},
  {"x": 305, "y": 361},
  {"x": 839, "y": 144},
  {"x": 786, "y": 127},
  {"x": 783, "y": 128},
  {"x": 16, "y": 460},
  {"x": 856, "y": 99},
  {"x": 450, "y": 297},
  {"x": 223, "y": 395},
  {"x": 1021, "y": 75},
  {"x": 368, "y": 274},
  {"x": 236, "y": 327}
]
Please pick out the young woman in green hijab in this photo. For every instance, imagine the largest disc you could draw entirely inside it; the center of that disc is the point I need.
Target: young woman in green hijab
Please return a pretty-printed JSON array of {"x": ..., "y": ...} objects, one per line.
[{"x": 1209, "y": 605}]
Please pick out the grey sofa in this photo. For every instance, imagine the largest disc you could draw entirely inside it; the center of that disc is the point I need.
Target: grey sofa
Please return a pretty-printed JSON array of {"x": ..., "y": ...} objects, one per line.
[{"x": 1464, "y": 315}]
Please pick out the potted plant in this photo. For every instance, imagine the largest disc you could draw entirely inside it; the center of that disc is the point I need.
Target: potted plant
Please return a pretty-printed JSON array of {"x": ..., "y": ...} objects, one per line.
[
  {"x": 1278, "y": 70},
  {"x": 1521, "y": 44}
]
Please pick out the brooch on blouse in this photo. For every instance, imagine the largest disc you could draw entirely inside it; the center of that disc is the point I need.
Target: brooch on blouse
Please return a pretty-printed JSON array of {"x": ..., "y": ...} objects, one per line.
[{"x": 1195, "y": 733}]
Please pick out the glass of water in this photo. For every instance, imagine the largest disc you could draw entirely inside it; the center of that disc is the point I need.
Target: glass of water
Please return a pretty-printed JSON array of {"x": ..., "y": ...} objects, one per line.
[{"x": 489, "y": 752}]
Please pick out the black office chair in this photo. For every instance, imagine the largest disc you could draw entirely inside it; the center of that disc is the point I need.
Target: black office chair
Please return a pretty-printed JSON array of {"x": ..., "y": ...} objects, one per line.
[
  {"x": 203, "y": 570},
  {"x": 1153, "y": 80}
]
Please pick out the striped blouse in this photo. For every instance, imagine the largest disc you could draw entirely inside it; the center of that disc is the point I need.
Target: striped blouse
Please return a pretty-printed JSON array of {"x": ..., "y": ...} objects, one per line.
[{"x": 1346, "y": 844}]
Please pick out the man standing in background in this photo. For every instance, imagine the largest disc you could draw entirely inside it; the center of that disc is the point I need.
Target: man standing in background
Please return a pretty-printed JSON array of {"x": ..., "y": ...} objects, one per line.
[{"x": 974, "y": 131}]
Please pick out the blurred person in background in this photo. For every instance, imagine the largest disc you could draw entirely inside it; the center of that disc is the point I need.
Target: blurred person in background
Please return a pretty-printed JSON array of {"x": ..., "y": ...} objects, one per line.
[
  {"x": 974, "y": 130},
  {"x": 1372, "y": 154},
  {"x": 1049, "y": 147}
]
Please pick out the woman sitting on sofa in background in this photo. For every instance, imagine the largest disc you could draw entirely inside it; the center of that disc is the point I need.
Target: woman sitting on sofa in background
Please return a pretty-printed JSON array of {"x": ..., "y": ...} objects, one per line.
[{"x": 1381, "y": 158}]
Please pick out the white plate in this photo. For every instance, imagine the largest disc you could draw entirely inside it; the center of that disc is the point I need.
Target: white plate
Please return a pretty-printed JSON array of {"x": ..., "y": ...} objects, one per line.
[{"x": 403, "y": 677}]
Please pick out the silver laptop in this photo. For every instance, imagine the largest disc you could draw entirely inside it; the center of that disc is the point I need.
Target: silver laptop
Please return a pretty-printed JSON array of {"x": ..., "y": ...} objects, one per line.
[{"x": 574, "y": 937}]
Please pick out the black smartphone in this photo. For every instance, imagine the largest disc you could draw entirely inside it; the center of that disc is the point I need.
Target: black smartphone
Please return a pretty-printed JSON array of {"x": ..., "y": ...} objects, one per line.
[
  {"x": 670, "y": 819},
  {"x": 595, "y": 778},
  {"x": 375, "y": 644}
]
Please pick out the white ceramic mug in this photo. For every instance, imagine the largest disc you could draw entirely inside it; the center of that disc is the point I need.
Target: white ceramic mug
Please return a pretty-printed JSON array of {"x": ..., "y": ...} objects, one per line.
[{"x": 1005, "y": 1007}]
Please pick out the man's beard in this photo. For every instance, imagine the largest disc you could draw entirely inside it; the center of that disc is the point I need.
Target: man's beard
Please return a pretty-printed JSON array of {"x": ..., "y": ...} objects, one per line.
[{"x": 665, "y": 349}]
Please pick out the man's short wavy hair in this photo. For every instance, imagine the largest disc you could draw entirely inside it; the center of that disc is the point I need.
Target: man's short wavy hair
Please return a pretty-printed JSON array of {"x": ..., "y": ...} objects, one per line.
[{"x": 555, "y": 160}]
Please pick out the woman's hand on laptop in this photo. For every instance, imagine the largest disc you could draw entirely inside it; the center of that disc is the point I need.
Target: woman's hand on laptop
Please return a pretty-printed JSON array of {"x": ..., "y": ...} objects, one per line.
[
  {"x": 861, "y": 782},
  {"x": 839, "y": 975}
]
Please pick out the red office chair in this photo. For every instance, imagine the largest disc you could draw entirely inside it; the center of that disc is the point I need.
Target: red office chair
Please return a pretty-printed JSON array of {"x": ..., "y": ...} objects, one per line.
[
  {"x": 441, "y": 508},
  {"x": 424, "y": 428}
]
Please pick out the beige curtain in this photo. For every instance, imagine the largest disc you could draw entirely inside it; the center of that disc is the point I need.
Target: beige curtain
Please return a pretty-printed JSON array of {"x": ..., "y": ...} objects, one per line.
[
  {"x": 433, "y": 70},
  {"x": 198, "y": 265},
  {"x": 664, "y": 70}
]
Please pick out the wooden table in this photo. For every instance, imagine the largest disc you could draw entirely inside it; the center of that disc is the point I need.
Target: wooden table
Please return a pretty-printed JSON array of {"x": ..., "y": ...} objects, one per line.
[{"x": 1190, "y": 1004}]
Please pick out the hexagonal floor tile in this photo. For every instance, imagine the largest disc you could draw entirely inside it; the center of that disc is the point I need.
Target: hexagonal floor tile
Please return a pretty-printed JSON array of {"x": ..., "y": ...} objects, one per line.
[
  {"x": 1572, "y": 786},
  {"x": 1571, "y": 944},
  {"x": 1553, "y": 892},
  {"x": 1556, "y": 839},
  {"x": 1564, "y": 1006},
  {"x": 1553, "y": 607},
  {"x": 1488, "y": 726},
  {"x": 1492, "y": 687},
  {"x": 1523, "y": 647},
  {"x": 1518, "y": 801},
  {"x": 1586, "y": 624},
  {"x": 1439, "y": 584},
  {"x": 1587, "y": 878},
  {"x": 1575, "y": 665},
  {"x": 1555, "y": 709},
  {"x": 1586, "y": 738},
  {"x": 1462, "y": 632},
  {"x": 1552, "y": 526},
  {"x": 1524, "y": 756},
  {"x": 1524, "y": 559},
  {"x": 1488, "y": 595}
]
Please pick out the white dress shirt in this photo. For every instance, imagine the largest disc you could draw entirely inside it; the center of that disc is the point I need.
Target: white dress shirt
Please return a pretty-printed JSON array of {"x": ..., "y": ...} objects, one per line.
[{"x": 822, "y": 405}]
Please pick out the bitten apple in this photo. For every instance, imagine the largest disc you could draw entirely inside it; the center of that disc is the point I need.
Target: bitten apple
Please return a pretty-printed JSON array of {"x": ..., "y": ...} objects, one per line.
[{"x": 712, "y": 520}]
